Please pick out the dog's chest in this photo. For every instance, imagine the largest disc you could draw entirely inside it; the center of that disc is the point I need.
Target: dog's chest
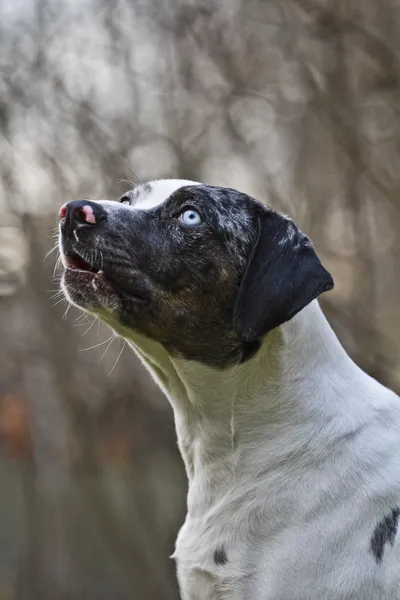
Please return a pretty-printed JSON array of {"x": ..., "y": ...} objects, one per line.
[
  {"x": 210, "y": 566},
  {"x": 328, "y": 558}
]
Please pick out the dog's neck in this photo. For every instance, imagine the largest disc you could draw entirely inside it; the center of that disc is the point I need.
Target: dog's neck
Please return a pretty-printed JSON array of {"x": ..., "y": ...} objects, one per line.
[{"x": 283, "y": 404}]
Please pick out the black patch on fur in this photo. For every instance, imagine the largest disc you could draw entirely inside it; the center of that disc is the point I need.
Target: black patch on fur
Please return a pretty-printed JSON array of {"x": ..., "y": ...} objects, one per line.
[
  {"x": 220, "y": 556},
  {"x": 283, "y": 275},
  {"x": 385, "y": 532},
  {"x": 250, "y": 349}
]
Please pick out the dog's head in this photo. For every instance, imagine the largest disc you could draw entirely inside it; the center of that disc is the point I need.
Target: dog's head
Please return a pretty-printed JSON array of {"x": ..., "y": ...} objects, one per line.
[{"x": 205, "y": 271}]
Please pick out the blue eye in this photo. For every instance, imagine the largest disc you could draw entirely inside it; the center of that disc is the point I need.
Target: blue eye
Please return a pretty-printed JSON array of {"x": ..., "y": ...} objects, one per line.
[{"x": 190, "y": 217}]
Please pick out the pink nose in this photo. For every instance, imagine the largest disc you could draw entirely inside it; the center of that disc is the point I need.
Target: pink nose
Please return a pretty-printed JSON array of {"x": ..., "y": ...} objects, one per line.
[{"x": 85, "y": 210}]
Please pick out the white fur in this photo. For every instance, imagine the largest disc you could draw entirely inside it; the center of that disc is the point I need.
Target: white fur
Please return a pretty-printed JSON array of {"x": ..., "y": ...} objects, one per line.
[
  {"x": 292, "y": 458},
  {"x": 160, "y": 191}
]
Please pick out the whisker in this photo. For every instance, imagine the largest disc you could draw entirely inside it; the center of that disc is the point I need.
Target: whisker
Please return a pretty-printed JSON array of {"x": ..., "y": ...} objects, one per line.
[
  {"x": 90, "y": 327},
  {"x": 57, "y": 295},
  {"x": 97, "y": 345},
  {"x": 106, "y": 350},
  {"x": 80, "y": 325},
  {"x": 128, "y": 181},
  {"x": 57, "y": 265},
  {"x": 81, "y": 317},
  {"x": 55, "y": 247},
  {"x": 54, "y": 290},
  {"x": 66, "y": 312},
  {"x": 129, "y": 167},
  {"x": 118, "y": 357},
  {"x": 63, "y": 299}
]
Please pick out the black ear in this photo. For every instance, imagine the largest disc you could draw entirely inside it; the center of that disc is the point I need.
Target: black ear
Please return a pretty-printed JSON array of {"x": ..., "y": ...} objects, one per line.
[{"x": 283, "y": 275}]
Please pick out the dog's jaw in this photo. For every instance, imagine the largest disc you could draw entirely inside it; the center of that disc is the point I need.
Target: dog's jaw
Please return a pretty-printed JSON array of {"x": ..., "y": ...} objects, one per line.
[{"x": 89, "y": 291}]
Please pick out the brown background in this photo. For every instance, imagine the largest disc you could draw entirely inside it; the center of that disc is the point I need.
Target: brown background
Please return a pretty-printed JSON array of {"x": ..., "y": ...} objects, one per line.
[{"x": 295, "y": 102}]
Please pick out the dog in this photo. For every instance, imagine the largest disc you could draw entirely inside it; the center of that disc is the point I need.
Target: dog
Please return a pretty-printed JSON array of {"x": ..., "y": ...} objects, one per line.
[{"x": 292, "y": 452}]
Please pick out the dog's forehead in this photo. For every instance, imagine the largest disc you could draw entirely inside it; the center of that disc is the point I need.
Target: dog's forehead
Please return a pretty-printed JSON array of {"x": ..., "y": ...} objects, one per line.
[
  {"x": 230, "y": 208},
  {"x": 154, "y": 193}
]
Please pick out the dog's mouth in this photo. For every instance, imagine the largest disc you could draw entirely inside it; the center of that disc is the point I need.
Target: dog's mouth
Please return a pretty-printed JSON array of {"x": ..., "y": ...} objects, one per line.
[
  {"x": 87, "y": 283},
  {"x": 76, "y": 263}
]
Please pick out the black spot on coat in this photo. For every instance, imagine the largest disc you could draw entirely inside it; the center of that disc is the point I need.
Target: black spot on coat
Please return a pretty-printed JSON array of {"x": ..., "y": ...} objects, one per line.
[
  {"x": 385, "y": 532},
  {"x": 220, "y": 557}
]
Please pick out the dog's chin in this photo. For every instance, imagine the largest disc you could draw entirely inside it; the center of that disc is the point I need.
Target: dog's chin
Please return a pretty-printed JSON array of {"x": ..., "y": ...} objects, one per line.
[{"x": 90, "y": 291}]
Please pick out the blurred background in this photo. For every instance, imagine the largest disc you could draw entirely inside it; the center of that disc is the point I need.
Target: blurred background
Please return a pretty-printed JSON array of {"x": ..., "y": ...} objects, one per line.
[{"x": 295, "y": 102}]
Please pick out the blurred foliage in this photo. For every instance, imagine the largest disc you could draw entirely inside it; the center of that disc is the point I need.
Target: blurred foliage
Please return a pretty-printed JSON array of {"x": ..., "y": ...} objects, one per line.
[{"x": 293, "y": 101}]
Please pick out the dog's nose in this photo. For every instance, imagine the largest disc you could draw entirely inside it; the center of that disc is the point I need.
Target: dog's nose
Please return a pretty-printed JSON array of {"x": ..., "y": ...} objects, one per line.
[{"x": 78, "y": 214}]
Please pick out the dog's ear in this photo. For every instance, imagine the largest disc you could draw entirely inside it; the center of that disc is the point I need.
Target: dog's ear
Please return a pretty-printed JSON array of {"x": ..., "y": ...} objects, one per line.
[{"x": 283, "y": 275}]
